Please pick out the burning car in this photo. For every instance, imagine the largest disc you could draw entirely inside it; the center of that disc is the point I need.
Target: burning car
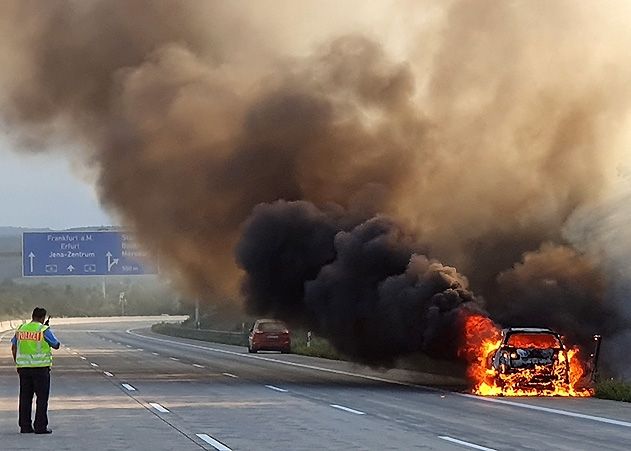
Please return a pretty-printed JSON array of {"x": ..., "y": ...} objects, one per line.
[
  {"x": 530, "y": 358},
  {"x": 521, "y": 361}
]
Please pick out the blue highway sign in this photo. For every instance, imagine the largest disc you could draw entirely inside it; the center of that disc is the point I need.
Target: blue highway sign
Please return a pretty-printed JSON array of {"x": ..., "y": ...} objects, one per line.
[{"x": 82, "y": 254}]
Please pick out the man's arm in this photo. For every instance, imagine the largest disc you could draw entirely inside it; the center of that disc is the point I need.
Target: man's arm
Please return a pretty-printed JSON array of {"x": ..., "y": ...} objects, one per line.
[
  {"x": 50, "y": 338},
  {"x": 14, "y": 347}
]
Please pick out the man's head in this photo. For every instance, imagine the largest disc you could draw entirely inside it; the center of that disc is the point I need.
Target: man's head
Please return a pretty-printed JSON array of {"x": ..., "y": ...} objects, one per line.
[{"x": 39, "y": 314}]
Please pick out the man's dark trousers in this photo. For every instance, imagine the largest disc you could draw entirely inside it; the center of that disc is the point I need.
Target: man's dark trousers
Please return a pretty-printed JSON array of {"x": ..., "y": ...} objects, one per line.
[{"x": 34, "y": 381}]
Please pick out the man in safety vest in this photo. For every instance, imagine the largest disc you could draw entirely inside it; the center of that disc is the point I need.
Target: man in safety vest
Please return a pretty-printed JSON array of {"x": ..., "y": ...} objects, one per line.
[{"x": 31, "y": 347}]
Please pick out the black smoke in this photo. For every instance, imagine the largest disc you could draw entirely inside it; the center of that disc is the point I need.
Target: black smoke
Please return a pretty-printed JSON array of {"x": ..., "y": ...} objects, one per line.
[{"x": 365, "y": 285}]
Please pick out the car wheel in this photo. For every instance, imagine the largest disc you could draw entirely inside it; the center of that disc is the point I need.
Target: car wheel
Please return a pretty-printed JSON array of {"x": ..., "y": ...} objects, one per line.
[{"x": 251, "y": 350}]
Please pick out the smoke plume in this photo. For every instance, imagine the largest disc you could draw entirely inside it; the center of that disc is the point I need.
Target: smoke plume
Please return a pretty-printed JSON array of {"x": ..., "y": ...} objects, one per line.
[
  {"x": 351, "y": 282},
  {"x": 383, "y": 143}
]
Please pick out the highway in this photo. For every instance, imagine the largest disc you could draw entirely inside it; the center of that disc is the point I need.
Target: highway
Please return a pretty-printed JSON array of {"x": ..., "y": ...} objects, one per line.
[{"x": 117, "y": 386}]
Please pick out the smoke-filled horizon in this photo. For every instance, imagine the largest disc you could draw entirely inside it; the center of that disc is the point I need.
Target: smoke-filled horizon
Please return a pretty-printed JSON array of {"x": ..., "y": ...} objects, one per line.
[{"x": 471, "y": 137}]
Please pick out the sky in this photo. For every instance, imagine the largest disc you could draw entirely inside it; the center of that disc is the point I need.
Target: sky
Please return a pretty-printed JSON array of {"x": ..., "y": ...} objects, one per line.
[{"x": 44, "y": 191}]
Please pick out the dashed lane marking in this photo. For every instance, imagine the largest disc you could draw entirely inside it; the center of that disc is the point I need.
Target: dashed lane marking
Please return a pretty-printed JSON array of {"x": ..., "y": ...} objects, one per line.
[
  {"x": 158, "y": 407},
  {"x": 466, "y": 444},
  {"x": 347, "y": 409},
  {"x": 278, "y": 389},
  {"x": 214, "y": 443},
  {"x": 128, "y": 387}
]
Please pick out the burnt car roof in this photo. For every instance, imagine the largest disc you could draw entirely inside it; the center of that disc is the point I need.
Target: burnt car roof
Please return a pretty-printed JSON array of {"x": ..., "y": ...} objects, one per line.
[{"x": 530, "y": 330}]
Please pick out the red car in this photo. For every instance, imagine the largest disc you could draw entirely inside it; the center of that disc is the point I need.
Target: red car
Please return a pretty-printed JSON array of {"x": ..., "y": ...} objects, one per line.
[{"x": 269, "y": 335}]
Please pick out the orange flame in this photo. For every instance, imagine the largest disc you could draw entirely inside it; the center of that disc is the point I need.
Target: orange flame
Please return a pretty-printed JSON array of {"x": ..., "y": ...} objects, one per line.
[{"x": 482, "y": 338}]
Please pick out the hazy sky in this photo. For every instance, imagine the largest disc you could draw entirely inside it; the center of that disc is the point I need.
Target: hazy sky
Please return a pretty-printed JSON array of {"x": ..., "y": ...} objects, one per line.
[{"x": 43, "y": 191}]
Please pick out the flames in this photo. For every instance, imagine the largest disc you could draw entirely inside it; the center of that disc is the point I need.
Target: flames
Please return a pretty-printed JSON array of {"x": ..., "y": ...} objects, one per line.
[{"x": 482, "y": 338}]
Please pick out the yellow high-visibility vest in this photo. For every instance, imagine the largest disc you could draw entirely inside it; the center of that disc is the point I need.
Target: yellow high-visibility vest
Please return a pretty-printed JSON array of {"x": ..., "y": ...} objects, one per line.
[{"x": 33, "y": 351}]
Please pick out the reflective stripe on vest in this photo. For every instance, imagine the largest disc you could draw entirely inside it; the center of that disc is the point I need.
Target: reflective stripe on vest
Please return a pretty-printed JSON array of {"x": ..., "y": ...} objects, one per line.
[{"x": 33, "y": 351}]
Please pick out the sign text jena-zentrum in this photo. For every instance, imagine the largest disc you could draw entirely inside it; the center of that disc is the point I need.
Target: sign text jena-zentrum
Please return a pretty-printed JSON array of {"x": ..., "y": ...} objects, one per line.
[{"x": 105, "y": 253}]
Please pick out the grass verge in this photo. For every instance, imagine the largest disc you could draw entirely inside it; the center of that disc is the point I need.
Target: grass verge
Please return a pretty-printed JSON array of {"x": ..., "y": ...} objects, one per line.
[{"x": 614, "y": 389}]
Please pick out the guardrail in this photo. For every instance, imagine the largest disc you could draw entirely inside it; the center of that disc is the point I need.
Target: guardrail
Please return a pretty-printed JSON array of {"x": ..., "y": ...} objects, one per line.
[
  {"x": 219, "y": 336},
  {"x": 58, "y": 321},
  {"x": 10, "y": 324}
]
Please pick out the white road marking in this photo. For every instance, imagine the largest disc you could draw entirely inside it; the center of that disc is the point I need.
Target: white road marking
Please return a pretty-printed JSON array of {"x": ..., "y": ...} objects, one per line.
[
  {"x": 212, "y": 442},
  {"x": 347, "y": 409},
  {"x": 158, "y": 407},
  {"x": 83, "y": 358},
  {"x": 129, "y": 346},
  {"x": 173, "y": 358},
  {"x": 463, "y": 443},
  {"x": 234, "y": 376},
  {"x": 198, "y": 366},
  {"x": 388, "y": 381},
  {"x": 566, "y": 413},
  {"x": 75, "y": 352},
  {"x": 108, "y": 374},
  {"x": 155, "y": 353},
  {"x": 139, "y": 349},
  {"x": 128, "y": 387},
  {"x": 282, "y": 390},
  {"x": 94, "y": 365}
]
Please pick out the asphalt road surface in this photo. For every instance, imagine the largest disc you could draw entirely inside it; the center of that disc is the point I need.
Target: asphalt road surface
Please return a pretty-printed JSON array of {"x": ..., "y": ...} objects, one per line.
[{"x": 117, "y": 386}]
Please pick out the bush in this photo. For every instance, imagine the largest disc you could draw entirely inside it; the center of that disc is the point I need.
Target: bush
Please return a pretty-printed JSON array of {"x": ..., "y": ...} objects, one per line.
[
  {"x": 319, "y": 346},
  {"x": 614, "y": 389}
]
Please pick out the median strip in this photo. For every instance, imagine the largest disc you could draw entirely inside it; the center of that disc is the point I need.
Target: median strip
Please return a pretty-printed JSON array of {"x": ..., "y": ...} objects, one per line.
[
  {"x": 272, "y": 387},
  {"x": 214, "y": 443},
  {"x": 158, "y": 407},
  {"x": 466, "y": 444},
  {"x": 347, "y": 409},
  {"x": 128, "y": 387}
]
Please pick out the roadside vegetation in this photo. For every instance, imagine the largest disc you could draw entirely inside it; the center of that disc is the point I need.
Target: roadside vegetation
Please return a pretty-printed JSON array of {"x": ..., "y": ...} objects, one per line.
[
  {"x": 614, "y": 389},
  {"x": 319, "y": 347},
  {"x": 17, "y": 300}
]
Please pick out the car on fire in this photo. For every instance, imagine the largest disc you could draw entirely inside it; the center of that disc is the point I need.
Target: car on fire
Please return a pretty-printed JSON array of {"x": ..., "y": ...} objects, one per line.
[
  {"x": 269, "y": 335},
  {"x": 530, "y": 358}
]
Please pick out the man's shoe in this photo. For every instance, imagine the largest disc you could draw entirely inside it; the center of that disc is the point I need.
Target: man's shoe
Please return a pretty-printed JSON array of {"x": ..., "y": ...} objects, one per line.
[
  {"x": 27, "y": 431},
  {"x": 45, "y": 431}
]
